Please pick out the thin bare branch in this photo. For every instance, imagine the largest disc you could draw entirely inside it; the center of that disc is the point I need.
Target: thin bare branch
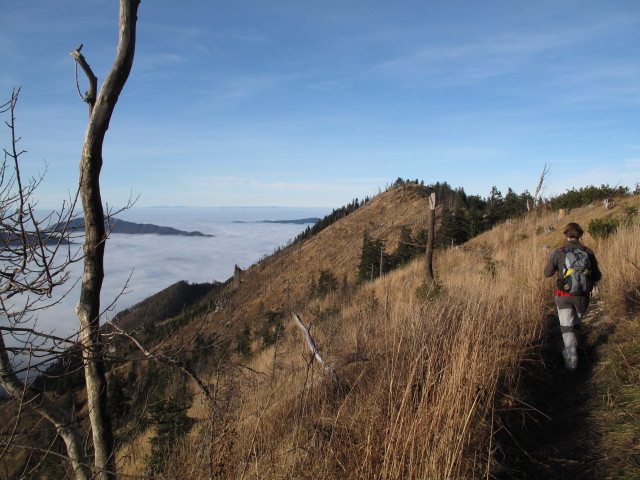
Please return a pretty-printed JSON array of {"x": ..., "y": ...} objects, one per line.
[
  {"x": 162, "y": 358},
  {"x": 90, "y": 95},
  {"x": 546, "y": 170}
]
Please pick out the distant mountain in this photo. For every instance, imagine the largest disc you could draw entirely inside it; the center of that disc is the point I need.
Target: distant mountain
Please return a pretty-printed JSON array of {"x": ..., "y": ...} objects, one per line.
[
  {"x": 50, "y": 238},
  {"x": 115, "y": 225},
  {"x": 300, "y": 221}
]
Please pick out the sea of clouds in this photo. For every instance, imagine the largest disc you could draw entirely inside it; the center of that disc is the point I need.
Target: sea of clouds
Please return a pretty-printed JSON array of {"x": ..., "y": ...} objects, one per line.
[{"x": 153, "y": 262}]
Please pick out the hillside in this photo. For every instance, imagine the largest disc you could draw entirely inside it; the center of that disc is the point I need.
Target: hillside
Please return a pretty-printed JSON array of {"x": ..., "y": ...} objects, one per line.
[
  {"x": 281, "y": 281},
  {"x": 457, "y": 380},
  {"x": 487, "y": 339}
]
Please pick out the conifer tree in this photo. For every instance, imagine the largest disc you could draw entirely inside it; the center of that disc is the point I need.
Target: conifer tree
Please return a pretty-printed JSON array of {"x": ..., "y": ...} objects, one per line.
[
  {"x": 373, "y": 261},
  {"x": 455, "y": 228},
  {"x": 406, "y": 250}
]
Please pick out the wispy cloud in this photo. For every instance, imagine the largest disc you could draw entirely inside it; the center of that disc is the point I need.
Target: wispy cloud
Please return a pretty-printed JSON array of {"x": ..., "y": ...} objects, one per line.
[
  {"x": 498, "y": 54},
  {"x": 468, "y": 63},
  {"x": 634, "y": 163},
  {"x": 246, "y": 86}
]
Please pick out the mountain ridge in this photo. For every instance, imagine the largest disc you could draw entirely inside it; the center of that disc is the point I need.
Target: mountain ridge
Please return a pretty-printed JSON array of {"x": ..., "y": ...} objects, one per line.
[{"x": 116, "y": 225}]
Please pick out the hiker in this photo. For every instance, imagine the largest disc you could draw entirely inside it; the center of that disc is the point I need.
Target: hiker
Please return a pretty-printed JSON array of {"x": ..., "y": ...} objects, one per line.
[{"x": 578, "y": 271}]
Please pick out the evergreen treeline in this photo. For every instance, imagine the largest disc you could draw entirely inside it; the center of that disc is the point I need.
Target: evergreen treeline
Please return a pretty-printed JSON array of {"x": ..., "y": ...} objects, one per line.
[
  {"x": 584, "y": 196},
  {"x": 334, "y": 216},
  {"x": 462, "y": 217},
  {"x": 465, "y": 216},
  {"x": 374, "y": 261}
]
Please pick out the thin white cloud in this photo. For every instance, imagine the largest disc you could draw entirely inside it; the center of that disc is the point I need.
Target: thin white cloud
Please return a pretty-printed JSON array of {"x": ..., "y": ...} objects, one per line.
[
  {"x": 470, "y": 63},
  {"x": 633, "y": 163},
  {"x": 467, "y": 63}
]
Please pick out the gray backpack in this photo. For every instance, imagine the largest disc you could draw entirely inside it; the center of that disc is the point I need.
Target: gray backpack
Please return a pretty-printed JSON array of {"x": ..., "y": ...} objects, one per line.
[{"x": 576, "y": 273}]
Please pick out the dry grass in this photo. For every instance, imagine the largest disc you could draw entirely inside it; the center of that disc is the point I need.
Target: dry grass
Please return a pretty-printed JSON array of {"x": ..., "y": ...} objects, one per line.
[
  {"x": 421, "y": 405},
  {"x": 616, "y": 407},
  {"x": 426, "y": 381},
  {"x": 132, "y": 457}
]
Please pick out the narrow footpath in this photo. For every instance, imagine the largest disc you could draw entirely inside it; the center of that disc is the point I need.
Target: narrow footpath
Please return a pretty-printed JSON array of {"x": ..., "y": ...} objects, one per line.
[{"x": 551, "y": 437}]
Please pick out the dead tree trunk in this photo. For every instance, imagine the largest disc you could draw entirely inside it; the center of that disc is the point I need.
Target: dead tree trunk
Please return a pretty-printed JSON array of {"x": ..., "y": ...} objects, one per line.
[
  {"x": 101, "y": 108},
  {"x": 431, "y": 239},
  {"x": 314, "y": 350},
  {"x": 536, "y": 195}
]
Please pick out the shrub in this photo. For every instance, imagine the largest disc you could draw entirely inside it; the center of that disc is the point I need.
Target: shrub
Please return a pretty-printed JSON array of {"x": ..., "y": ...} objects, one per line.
[
  {"x": 427, "y": 292},
  {"x": 629, "y": 213},
  {"x": 584, "y": 196},
  {"x": 272, "y": 329},
  {"x": 490, "y": 265},
  {"x": 602, "y": 228}
]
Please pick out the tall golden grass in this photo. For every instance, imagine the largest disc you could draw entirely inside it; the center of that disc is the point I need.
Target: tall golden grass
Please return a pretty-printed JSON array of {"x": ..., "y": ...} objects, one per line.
[
  {"x": 427, "y": 378},
  {"x": 616, "y": 404}
]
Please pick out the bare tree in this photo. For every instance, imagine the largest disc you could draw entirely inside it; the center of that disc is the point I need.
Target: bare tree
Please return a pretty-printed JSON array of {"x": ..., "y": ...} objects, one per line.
[
  {"x": 29, "y": 272},
  {"x": 34, "y": 256},
  {"x": 101, "y": 106},
  {"x": 546, "y": 170}
]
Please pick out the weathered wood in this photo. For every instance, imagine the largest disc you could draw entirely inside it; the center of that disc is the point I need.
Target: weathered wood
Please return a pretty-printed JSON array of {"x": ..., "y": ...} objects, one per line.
[
  {"x": 316, "y": 354},
  {"x": 431, "y": 239},
  {"x": 101, "y": 108},
  {"x": 536, "y": 194}
]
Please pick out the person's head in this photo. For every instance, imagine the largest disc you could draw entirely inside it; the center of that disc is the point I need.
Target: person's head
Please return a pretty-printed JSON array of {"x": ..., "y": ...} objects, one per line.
[{"x": 573, "y": 231}]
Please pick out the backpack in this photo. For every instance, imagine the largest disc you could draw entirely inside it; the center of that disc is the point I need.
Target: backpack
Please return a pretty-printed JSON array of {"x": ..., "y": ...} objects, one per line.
[{"x": 576, "y": 275}]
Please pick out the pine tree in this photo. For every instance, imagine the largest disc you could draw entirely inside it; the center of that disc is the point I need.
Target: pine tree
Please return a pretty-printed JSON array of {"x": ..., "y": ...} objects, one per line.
[
  {"x": 373, "y": 260},
  {"x": 327, "y": 283},
  {"x": 494, "y": 207},
  {"x": 455, "y": 228},
  {"x": 406, "y": 250},
  {"x": 514, "y": 205}
]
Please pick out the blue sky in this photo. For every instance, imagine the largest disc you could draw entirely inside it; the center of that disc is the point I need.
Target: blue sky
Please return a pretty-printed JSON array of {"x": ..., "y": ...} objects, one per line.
[{"x": 312, "y": 103}]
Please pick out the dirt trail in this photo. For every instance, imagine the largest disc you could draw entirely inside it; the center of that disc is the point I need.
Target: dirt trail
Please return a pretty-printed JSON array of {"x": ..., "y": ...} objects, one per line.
[{"x": 551, "y": 437}]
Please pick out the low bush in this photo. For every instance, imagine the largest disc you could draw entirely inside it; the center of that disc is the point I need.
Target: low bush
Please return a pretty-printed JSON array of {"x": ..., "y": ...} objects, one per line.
[{"x": 602, "y": 228}]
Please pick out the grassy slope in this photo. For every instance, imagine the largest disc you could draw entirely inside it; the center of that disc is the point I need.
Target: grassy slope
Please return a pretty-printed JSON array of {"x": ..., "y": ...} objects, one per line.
[
  {"x": 429, "y": 382},
  {"x": 282, "y": 280}
]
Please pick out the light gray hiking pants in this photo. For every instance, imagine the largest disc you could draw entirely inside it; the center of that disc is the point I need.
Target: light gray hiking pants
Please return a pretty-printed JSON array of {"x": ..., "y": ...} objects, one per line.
[{"x": 570, "y": 322}]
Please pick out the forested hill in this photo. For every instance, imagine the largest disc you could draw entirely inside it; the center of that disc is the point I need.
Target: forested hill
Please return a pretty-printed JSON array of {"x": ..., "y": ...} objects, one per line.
[{"x": 115, "y": 225}]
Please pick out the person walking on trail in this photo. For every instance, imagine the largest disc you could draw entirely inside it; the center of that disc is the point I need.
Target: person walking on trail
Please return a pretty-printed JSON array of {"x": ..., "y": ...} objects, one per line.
[{"x": 577, "y": 270}]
